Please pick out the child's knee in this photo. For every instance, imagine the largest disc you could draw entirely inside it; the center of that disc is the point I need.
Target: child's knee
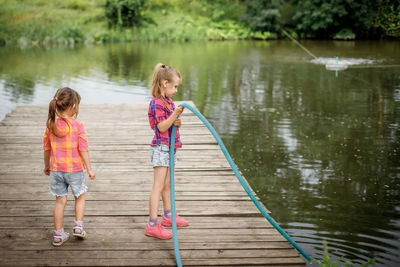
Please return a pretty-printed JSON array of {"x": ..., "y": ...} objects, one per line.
[
  {"x": 80, "y": 197},
  {"x": 158, "y": 188},
  {"x": 61, "y": 200},
  {"x": 166, "y": 188}
]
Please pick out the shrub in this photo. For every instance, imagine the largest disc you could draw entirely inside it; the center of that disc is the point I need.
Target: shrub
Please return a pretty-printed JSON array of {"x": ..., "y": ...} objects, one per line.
[
  {"x": 263, "y": 15},
  {"x": 124, "y": 13},
  {"x": 326, "y": 260},
  {"x": 345, "y": 34}
]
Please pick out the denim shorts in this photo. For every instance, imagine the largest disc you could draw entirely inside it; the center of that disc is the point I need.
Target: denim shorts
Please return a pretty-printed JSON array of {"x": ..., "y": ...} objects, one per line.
[
  {"x": 159, "y": 155},
  {"x": 59, "y": 182}
]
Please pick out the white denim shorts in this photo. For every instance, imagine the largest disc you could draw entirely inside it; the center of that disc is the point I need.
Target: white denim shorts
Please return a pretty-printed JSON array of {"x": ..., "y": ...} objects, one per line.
[
  {"x": 59, "y": 182},
  {"x": 159, "y": 155}
]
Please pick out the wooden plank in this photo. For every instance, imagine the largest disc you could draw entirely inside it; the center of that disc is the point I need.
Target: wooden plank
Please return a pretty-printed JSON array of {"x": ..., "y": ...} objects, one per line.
[
  {"x": 133, "y": 222},
  {"x": 179, "y": 173},
  {"x": 102, "y": 141},
  {"x": 186, "y": 234},
  {"x": 124, "y": 177},
  {"x": 129, "y": 207},
  {"x": 130, "y": 187},
  {"x": 35, "y": 147},
  {"x": 292, "y": 262},
  {"x": 161, "y": 254},
  {"x": 112, "y": 196},
  {"x": 111, "y": 244}
]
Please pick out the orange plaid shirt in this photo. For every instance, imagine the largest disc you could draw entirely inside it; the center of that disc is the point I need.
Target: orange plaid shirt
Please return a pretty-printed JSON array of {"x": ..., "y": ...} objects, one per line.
[{"x": 64, "y": 151}]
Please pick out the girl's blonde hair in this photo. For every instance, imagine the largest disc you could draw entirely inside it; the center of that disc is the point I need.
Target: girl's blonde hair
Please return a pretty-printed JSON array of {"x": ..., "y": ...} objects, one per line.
[
  {"x": 64, "y": 99},
  {"x": 160, "y": 74}
]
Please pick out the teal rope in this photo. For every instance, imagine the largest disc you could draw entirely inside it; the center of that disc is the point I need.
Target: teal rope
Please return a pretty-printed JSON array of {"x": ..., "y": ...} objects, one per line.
[{"x": 239, "y": 177}]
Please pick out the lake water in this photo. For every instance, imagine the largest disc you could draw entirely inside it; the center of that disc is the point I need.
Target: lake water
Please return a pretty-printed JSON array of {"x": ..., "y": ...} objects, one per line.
[{"x": 321, "y": 148}]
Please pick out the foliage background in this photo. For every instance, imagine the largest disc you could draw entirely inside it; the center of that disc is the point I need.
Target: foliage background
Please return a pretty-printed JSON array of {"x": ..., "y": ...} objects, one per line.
[{"x": 76, "y": 21}]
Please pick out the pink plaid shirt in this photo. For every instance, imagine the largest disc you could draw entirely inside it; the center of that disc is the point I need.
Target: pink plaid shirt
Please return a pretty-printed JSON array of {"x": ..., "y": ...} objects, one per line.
[
  {"x": 64, "y": 151},
  {"x": 158, "y": 112}
]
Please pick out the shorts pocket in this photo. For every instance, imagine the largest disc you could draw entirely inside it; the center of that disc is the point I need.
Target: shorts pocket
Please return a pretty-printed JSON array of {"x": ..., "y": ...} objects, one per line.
[{"x": 164, "y": 148}]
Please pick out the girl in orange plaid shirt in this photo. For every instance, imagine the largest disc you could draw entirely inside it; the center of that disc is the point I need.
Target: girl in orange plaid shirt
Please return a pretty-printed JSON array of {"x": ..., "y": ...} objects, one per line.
[{"x": 65, "y": 156}]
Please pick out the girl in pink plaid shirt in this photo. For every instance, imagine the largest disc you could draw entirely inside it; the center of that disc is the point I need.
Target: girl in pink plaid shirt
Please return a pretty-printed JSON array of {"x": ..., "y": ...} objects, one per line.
[
  {"x": 65, "y": 156},
  {"x": 162, "y": 115}
]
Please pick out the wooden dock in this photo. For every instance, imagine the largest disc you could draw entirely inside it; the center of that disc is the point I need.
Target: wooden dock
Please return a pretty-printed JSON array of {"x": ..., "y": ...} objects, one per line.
[{"x": 225, "y": 227}]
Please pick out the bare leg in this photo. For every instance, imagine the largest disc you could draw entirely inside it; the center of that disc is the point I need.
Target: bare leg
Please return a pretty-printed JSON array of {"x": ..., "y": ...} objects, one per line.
[
  {"x": 160, "y": 174},
  {"x": 79, "y": 207},
  {"x": 58, "y": 213},
  {"x": 166, "y": 193}
]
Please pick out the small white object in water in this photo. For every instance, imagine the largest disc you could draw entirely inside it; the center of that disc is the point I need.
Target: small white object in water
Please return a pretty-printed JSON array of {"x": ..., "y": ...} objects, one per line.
[{"x": 336, "y": 65}]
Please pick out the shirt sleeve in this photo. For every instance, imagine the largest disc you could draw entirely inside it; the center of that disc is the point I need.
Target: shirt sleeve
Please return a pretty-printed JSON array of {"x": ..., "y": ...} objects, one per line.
[
  {"x": 46, "y": 140},
  {"x": 158, "y": 111},
  {"x": 82, "y": 139}
]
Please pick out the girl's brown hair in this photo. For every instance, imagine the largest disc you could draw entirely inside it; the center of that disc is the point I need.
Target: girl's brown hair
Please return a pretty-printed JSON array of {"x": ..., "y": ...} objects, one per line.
[
  {"x": 160, "y": 74},
  {"x": 64, "y": 99}
]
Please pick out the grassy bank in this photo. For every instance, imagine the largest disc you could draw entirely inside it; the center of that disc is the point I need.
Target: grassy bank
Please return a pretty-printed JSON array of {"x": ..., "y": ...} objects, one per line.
[
  {"x": 84, "y": 21},
  {"x": 41, "y": 21}
]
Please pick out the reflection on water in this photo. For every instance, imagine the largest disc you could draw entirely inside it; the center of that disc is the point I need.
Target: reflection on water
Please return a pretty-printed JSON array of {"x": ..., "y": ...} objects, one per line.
[
  {"x": 101, "y": 75},
  {"x": 322, "y": 152}
]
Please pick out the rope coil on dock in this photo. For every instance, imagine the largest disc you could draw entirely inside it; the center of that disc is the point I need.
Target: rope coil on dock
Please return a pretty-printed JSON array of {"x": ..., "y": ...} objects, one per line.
[{"x": 238, "y": 176}]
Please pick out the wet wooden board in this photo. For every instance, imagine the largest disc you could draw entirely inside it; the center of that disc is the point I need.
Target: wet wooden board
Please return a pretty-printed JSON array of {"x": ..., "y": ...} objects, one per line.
[{"x": 225, "y": 227}]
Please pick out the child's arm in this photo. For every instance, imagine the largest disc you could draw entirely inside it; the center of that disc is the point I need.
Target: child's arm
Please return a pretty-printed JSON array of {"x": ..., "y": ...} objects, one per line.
[
  {"x": 86, "y": 161},
  {"x": 167, "y": 123},
  {"x": 177, "y": 123},
  {"x": 46, "y": 157},
  {"x": 46, "y": 154}
]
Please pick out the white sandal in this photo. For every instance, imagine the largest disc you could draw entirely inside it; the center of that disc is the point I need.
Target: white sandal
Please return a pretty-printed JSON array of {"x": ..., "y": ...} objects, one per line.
[
  {"x": 58, "y": 240},
  {"x": 79, "y": 232}
]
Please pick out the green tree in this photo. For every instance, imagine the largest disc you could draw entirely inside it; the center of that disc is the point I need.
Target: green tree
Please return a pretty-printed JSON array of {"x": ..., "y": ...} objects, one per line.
[
  {"x": 388, "y": 19},
  {"x": 323, "y": 19},
  {"x": 217, "y": 10},
  {"x": 263, "y": 15},
  {"x": 125, "y": 13}
]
